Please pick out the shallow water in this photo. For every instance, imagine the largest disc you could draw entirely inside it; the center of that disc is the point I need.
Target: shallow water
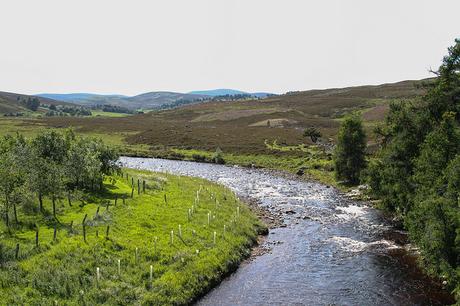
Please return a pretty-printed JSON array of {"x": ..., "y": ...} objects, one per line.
[{"x": 332, "y": 250}]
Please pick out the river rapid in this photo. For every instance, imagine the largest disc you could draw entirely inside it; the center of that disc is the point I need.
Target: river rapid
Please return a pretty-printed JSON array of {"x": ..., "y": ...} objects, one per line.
[{"x": 329, "y": 250}]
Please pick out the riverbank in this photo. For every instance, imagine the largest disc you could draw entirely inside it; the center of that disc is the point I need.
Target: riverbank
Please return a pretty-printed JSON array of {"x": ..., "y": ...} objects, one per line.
[
  {"x": 167, "y": 245},
  {"x": 336, "y": 250}
]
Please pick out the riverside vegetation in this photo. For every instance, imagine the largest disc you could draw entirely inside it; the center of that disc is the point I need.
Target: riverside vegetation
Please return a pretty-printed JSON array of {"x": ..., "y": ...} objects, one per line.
[
  {"x": 78, "y": 230},
  {"x": 416, "y": 174}
]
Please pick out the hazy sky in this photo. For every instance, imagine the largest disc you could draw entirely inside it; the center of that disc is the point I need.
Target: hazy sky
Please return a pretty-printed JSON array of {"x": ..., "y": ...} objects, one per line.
[{"x": 130, "y": 47}]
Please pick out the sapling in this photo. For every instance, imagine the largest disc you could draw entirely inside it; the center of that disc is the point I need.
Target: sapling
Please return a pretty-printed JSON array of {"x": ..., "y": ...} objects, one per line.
[
  {"x": 172, "y": 237},
  {"x": 136, "y": 259},
  {"x": 214, "y": 237},
  {"x": 209, "y": 218},
  {"x": 119, "y": 267},
  {"x": 180, "y": 231},
  {"x": 155, "y": 245},
  {"x": 225, "y": 229},
  {"x": 151, "y": 274},
  {"x": 166, "y": 201},
  {"x": 237, "y": 211},
  {"x": 189, "y": 216},
  {"x": 132, "y": 192},
  {"x": 197, "y": 252}
]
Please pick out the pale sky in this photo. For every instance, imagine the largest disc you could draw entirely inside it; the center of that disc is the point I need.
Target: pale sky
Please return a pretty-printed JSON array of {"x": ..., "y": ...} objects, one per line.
[{"x": 131, "y": 47}]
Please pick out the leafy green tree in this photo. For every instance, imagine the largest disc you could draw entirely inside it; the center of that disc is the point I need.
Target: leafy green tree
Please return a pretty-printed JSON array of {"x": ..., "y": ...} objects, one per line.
[
  {"x": 11, "y": 176},
  {"x": 313, "y": 133},
  {"x": 349, "y": 155}
]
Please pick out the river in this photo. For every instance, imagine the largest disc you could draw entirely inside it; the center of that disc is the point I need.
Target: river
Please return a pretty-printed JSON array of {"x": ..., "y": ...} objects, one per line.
[{"x": 329, "y": 251}]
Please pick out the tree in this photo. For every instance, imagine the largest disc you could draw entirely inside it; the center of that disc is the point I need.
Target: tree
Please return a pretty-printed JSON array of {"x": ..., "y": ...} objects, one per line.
[
  {"x": 313, "y": 133},
  {"x": 417, "y": 172},
  {"x": 349, "y": 155},
  {"x": 11, "y": 176}
]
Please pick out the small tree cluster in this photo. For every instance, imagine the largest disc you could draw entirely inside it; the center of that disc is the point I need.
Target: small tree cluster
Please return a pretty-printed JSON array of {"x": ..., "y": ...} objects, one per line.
[{"x": 52, "y": 165}]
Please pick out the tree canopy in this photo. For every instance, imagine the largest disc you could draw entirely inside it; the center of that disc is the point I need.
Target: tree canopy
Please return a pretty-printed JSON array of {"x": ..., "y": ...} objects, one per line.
[{"x": 416, "y": 173}]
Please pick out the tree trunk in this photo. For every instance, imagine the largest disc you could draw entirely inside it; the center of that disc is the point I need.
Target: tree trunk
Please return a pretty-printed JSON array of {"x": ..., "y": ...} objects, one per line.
[
  {"x": 15, "y": 212},
  {"x": 54, "y": 206},
  {"x": 7, "y": 208},
  {"x": 40, "y": 202},
  {"x": 7, "y": 219}
]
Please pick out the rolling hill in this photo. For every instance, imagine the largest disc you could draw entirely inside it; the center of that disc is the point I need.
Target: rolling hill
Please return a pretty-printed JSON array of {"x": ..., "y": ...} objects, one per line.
[
  {"x": 246, "y": 126},
  {"x": 149, "y": 100},
  {"x": 223, "y": 92},
  {"x": 12, "y": 102}
]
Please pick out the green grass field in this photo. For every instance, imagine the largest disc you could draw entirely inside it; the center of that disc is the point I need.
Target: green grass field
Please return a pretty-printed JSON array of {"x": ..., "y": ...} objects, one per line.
[
  {"x": 96, "y": 113},
  {"x": 167, "y": 254}
]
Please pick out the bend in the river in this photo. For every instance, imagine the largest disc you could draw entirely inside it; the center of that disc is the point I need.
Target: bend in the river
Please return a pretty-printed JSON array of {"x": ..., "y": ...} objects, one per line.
[{"x": 331, "y": 251}]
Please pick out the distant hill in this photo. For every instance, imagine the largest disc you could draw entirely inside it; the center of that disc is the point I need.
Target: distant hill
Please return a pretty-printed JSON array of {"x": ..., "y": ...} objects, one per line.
[
  {"x": 14, "y": 102},
  {"x": 224, "y": 91},
  {"x": 157, "y": 99},
  {"x": 149, "y": 100},
  {"x": 78, "y": 97}
]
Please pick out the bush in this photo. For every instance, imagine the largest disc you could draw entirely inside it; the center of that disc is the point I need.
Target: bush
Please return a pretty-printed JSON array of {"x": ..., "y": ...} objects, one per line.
[{"x": 217, "y": 157}]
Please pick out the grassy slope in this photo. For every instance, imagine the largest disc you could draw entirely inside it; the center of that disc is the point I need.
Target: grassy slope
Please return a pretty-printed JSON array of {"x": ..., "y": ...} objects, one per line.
[{"x": 65, "y": 270}]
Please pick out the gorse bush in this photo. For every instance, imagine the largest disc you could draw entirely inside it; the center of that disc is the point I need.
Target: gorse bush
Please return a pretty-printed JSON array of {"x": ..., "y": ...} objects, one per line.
[{"x": 417, "y": 171}]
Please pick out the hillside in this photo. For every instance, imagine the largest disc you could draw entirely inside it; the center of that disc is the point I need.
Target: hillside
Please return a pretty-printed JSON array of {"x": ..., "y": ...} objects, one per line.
[
  {"x": 12, "y": 102},
  {"x": 149, "y": 100},
  {"x": 243, "y": 127},
  {"x": 224, "y": 92}
]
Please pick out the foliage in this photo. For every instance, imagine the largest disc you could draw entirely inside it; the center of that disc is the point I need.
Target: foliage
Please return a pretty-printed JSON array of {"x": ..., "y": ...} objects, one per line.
[
  {"x": 50, "y": 165},
  {"x": 313, "y": 133},
  {"x": 31, "y": 103},
  {"x": 417, "y": 171},
  {"x": 218, "y": 157},
  {"x": 349, "y": 155}
]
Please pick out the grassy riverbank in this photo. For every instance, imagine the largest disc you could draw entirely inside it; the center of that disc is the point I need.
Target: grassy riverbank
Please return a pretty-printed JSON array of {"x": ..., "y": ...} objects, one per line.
[{"x": 185, "y": 262}]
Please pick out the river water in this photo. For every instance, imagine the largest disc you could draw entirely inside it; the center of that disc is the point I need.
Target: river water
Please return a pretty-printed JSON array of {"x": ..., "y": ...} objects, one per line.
[{"x": 330, "y": 250}]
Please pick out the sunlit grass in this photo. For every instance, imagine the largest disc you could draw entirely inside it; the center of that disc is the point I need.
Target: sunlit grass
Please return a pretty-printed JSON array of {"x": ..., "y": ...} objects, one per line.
[{"x": 65, "y": 270}]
